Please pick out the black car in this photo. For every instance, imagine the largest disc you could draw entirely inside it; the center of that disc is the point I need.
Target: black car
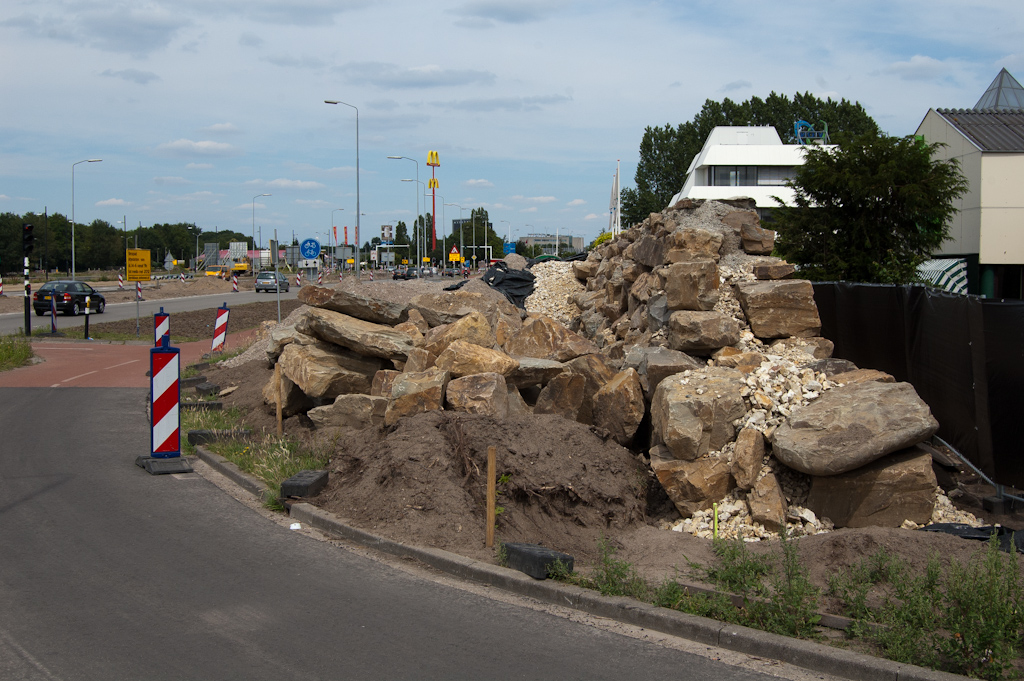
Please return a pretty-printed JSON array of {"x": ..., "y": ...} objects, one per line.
[
  {"x": 265, "y": 282},
  {"x": 404, "y": 273},
  {"x": 69, "y": 297}
]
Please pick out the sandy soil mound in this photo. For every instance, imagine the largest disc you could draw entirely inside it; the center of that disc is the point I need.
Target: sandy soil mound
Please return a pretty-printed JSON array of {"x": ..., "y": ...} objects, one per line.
[{"x": 561, "y": 485}]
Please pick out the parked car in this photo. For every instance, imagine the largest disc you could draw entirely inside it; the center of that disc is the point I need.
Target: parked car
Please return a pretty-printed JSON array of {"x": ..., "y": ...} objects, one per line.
[
  {"x": 404, "y": 272},
  {"x": 265, "y": 282},
  {"x": 69, "y": 297}
]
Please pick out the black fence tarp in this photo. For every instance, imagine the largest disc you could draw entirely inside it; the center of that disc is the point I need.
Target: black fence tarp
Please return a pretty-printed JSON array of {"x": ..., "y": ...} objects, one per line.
[{"x": 963, "y": 354}]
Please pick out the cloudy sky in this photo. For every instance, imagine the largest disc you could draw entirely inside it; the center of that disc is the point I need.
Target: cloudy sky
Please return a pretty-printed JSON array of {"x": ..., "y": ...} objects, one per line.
[{"x": 197, "y": 106}]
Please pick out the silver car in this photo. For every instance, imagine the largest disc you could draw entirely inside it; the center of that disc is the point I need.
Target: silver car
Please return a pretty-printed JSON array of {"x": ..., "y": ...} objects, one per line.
[{"x": 265, "y": 282}]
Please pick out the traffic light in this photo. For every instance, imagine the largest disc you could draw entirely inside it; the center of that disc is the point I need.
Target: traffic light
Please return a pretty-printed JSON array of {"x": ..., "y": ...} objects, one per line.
[{"x": 27, "y": 238}]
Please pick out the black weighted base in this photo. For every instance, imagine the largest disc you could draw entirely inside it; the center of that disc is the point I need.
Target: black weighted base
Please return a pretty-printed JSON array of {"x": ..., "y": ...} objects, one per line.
[
  {"x": 304, "y": 484},
  {"x": 155, "y": 466},
  {"x": 535, "y": 561}
]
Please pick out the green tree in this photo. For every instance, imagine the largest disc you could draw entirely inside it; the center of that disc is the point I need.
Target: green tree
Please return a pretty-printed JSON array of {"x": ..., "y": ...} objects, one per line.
[
  {"x": 666, "y": 153},
  {"x": 870, "y": 210}
]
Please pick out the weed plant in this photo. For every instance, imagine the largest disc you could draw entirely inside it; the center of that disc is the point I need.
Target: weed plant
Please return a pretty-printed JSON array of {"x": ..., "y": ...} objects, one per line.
[
  {"x": 967, "y": 619},
  {"x": 15, "y": 351}
]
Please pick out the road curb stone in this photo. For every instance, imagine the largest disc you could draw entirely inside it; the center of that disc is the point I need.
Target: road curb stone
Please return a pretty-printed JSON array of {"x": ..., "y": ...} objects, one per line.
[{"x": 798, "y": 652}]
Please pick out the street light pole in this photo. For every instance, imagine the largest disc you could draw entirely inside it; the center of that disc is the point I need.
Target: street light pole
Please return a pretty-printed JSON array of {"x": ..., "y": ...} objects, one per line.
[
  {"x": 89, "y": 160},
  {"x": 416, "y": 221},
  {"x": 358, "y": 213},
  {"x": 509, "y": 232},
  {"x": 255, "y": 251}
]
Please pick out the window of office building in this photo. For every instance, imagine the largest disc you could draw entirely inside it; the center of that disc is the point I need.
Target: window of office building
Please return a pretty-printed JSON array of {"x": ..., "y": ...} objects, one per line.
[
  {"x": 773, "y": 176},
  {"x": 733, "y": 176}
]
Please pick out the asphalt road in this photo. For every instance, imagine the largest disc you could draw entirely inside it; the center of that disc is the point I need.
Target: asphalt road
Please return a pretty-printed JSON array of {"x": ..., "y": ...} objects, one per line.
[
  {"x": 109, "y": 573},
  {"x": 12, "y": 322}
]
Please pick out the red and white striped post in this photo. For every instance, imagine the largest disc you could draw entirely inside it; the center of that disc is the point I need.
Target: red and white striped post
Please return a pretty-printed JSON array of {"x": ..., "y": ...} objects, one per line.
[
  {"x": 371, "y": 275},
  {"x": 1, "y": 286},
  {"x": 120, "y": 282},
  {"x": 341, "y": 273},
  {"x": 182, "y": 277},
  {"x": 138, "y": 290},
  {"x": 161, "y": 327},
  {"x": 165, "y": 407},
  {"x": 220, "y": 328},
  {"x": 298, "y": 279},
  {"x": 320, "y": 278},
  {"x": 234, "y": 283}
]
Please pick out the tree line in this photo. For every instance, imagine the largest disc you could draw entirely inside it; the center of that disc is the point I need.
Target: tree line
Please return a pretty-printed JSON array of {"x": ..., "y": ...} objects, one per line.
[{"x": 98, "y": 245}]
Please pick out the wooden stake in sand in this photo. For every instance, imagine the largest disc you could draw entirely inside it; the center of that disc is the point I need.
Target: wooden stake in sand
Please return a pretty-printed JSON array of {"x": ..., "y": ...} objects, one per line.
[
  {"x": 277, "y": 388},
  {"x": 491, "y": 496}
]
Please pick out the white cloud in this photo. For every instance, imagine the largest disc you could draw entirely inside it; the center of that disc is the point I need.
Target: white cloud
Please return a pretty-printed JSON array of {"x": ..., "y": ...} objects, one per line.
[
  {"x": 542, "y": 199},
  {"x": 920, "y": 68},
  {"x": 593, "y": 216},
  {"x": 187, "y": 147},
  {"x": 284, "y": 183},
  {"x": 478, "y": 183},
  {"x": 576, "y": 202},
  {"x": 132, "y": 75},
  {"x": 391, "y": 76},
  {"x": 112, "y": 202},
  {"x": 531, "y": 209}
]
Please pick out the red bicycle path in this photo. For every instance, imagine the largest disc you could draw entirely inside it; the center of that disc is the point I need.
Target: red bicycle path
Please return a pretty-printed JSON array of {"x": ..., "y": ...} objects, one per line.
[{"x": 71, "y": 363}]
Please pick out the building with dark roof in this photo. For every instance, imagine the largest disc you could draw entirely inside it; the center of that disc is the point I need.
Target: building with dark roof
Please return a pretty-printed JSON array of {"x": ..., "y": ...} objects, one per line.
[{"x": 988, "y": 229}]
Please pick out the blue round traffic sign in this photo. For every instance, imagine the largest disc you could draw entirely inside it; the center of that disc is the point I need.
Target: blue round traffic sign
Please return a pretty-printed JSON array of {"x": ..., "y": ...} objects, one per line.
[{"x": 309, "y": 248}]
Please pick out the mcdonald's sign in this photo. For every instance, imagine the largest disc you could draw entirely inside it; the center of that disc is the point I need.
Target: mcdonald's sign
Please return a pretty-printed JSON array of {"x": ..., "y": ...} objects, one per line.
[
  {"x": 432, "y": 183},
  {"x": 432, "y": 159}
]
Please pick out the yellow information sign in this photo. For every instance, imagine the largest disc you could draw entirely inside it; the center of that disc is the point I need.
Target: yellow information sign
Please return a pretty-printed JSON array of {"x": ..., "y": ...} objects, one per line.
[
  {"x": 351, "y": 261},
  {"x": 138, "y": 264},
  {"x": 426, "y": 258},
  {"x": 405, "y": 261},
  {"x": 453, "y": 255}
]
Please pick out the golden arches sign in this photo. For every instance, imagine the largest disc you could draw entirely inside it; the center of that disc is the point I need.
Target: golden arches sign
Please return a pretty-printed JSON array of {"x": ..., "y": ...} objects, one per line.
[{"x": 432, "y": 159}]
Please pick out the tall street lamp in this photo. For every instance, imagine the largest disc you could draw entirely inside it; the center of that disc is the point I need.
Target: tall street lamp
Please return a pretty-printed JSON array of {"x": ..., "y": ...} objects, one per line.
[
  {"x": 254, "y": 222},
  {"x": 509, "y": 230},
  {"x": 358, "y": 213},
  {"x": 395, "y": 158},
  {"x": 88, "y": 160}
]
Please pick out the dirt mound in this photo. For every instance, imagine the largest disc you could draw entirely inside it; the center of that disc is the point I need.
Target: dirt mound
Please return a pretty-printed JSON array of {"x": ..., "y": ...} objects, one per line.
[{"x": 560, "y": 484}]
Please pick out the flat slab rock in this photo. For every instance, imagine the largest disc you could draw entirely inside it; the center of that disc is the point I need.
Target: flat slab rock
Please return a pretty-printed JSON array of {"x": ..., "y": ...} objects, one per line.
[{"x": 851, "y": 426}]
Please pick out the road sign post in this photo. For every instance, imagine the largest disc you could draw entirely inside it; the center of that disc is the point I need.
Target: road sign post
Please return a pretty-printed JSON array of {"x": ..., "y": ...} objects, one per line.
[
  {"x": 137, "y": 263},
  {"x": 165, "y": 405}
]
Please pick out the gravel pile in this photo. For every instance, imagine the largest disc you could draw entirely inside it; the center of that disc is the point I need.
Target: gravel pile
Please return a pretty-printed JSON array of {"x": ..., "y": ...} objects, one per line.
[{"x": 553, "y": 291}]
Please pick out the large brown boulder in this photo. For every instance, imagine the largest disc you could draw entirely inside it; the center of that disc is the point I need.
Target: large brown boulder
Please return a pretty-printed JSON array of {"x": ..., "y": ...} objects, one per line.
[
  {"x": 619, "y": 406},
  {"x": 414, "y": 393},
  {"x": 694, "y": 414},
  {"x": 473, "y": 327},
  {"x": 350, "y": 411},
  {"x": 325, "y": 375},
  {"x": 463, "y": 358},
  {"x": 479, "y": 394},
  {"x": 776, "y": 309},
  {"x": 293, "y": 400},
  {"x": 647, "y": 251},
  {"x": 364, "y": 338},
  {"x": 701, "y": 333},
  {"x": 597, "y": 371},
  {"x": 694, "y": 243},
  {"x": 533, "y": 371},
  {"x": 655, "y": 363},
  {"x": 692, "y": 285},
  {"x": 563, "y": 395},
  {"x": 545, "y": 338},
  {"x": 694, "y": 485},
  {"x": 450, "y": 306},
  {"x": 382, "y": 382},
  {"x": 767, "y": 503},
  {"x": 884, "y": 493},
  {"x": 851, "y": 426},
  {"x": 748, "y": 457},
  {"x": 280, "y": 336},
  {"x": 354, "y": 304}
]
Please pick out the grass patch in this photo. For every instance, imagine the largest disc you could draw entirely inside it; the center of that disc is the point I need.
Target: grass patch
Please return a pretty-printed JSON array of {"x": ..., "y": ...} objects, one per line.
[
  {"x": 15, "y": 351},
  {"x": 967, "y": 619},
  {"x": 125, "y": 337},
  {"x": 268, "y": 457}
]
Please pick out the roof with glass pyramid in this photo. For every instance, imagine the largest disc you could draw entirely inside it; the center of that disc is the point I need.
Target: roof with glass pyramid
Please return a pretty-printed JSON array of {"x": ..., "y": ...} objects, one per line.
[{"x": 1004, "y": 93}]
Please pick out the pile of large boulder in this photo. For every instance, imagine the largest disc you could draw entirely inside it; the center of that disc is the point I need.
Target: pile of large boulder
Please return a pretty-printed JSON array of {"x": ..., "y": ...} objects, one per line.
[{"x": 692, "y": 346}]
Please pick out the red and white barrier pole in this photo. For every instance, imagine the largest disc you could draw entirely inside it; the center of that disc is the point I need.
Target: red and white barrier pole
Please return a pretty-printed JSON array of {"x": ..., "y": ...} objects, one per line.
[
  {"x": 220, "y": 328},
  {"x": 1, "y": 285},
  {"x": 138, "y": 290},
  {"x": 298, "y": 278},
  {"x": 182, "y": 277},
  {"x": 341, "y": 273},
  {"x": 161, "y": 327},
  {"x": 320, "y": 278},
  {"x": 165, "y": 407},
  {"x": 120, "y": 282},
  {"x": 234, "y": 283},
  {"x": 371, "y": 275}
]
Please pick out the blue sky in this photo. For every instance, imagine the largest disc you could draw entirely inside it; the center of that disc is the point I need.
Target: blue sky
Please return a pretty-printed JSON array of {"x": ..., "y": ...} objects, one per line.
[{"x": 197, "y": 106}]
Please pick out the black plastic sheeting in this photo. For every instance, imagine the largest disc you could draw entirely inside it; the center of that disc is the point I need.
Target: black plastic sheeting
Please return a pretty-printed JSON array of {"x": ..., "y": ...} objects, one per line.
[
  {"x": 517, "y": 285},
  {"x": 963, "y": 354},
  {"x": 1006, "y": 537}
]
